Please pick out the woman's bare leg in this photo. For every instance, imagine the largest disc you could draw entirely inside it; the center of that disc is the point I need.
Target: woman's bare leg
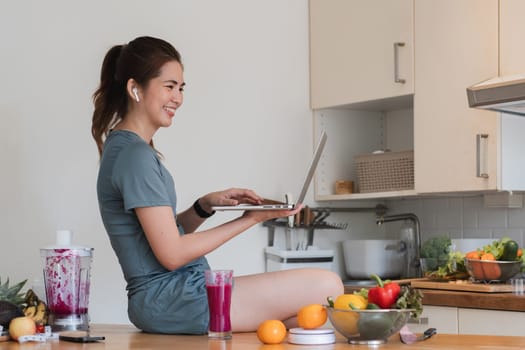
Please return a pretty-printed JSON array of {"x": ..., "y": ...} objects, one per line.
[{"x": 279, "y": 295}]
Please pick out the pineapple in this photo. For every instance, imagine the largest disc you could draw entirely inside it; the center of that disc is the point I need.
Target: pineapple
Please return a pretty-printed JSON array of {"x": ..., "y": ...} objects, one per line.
[
  {"x": 14, "y": 304},
  {"x": 11, "y": 301},
  {"x": 12, "y": 294}
]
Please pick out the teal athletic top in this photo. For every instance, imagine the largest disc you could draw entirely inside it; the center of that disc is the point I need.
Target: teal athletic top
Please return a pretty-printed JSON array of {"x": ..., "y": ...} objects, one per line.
[{"x": 131, "y": 176}]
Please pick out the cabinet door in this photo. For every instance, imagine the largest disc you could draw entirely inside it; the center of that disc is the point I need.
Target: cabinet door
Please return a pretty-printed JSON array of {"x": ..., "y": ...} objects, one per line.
[
  {"x": 491, "y": 322},
  {"x": 456, "y": 45},
  {"x": 512, "y": 53},
  {"x": 512, "y": 31},
  {"x": 352, "y": 50},
  {"x": 444, "y": 319}
]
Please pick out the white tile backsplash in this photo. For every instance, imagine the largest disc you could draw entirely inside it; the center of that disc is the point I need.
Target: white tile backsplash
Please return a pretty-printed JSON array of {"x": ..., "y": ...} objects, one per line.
[
  {"x": 462, "y": 217},
  {"x": 457, "y": 217},
  {"x": 516, "y": 218},
  {"x": 492, "y": 218}
]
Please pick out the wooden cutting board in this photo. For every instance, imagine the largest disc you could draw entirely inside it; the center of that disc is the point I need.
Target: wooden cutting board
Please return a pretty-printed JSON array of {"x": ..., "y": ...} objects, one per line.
[{"x": 464, "y": 286}]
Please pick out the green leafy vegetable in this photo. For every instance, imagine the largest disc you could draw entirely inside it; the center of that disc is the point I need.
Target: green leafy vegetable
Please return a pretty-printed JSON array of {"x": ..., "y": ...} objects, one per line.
[
  {"x": 497, "y": 247},
  {"x": 410, "y": 298},
  {"x": 455, "y": 265},
  {"x": 363, "y": 292}
]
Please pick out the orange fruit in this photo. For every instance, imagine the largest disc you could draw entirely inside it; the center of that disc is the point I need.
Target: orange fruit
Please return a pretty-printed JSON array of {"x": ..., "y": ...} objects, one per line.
[
  {"x": 474, "y": 255},
  {"x": 345, "y": 300},
  {"x": 312, "y": 316},
  {"x": 271, "y": 332},
  {"x": 488, "y": 256}
]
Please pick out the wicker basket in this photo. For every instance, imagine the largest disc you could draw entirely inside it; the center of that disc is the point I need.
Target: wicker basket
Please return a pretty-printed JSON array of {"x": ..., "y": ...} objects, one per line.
[{"x": 383, "y": 172}]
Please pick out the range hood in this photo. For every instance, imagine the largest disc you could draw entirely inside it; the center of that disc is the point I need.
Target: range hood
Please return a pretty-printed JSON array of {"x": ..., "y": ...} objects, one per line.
[{"x": 502, "y": 94}]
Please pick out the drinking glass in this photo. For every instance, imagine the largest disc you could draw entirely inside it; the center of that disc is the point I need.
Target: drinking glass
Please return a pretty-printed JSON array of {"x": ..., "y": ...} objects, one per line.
[{"x": 219, "y": 289}]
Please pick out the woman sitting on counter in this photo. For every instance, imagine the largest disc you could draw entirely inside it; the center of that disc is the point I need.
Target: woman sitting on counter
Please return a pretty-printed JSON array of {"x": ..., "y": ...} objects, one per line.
[{"x": 161, "y": 253}]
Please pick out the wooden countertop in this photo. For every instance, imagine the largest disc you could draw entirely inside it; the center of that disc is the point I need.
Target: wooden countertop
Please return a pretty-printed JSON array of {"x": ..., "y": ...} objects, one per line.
[
  {"x": 489, "y": 301},
  {"x": 477, "y": 300},
  {"x": 126, "y": 337}
]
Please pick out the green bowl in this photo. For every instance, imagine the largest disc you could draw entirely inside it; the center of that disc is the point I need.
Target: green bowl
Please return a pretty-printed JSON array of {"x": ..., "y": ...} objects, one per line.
[{"x": 371, "y": 327}]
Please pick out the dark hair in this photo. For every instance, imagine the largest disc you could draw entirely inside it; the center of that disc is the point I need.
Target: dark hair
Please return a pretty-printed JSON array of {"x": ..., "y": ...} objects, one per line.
[{"x": 141, "y": 60}]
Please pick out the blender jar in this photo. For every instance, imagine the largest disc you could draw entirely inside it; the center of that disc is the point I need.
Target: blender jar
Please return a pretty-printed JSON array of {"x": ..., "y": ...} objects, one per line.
[{"x": 67, "y": 281}]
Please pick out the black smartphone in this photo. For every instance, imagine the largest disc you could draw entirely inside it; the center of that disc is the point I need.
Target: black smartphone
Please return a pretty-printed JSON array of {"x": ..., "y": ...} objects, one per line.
[{"x": 81, "y": 338}]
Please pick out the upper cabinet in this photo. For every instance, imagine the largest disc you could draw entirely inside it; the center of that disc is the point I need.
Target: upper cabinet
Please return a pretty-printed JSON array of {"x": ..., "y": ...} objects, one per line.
[
  {"x": 512, "y": 32},
  {"x": 360, "y": 51},
  {"x": 512, "y": 128},
  {"x": 456, "y": 45},
  {"x": 448, "y": 45}
]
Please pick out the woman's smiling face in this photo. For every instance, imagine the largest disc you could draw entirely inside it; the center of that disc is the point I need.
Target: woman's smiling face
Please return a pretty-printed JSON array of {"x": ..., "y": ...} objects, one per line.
[{"x": 163, "y": 95}]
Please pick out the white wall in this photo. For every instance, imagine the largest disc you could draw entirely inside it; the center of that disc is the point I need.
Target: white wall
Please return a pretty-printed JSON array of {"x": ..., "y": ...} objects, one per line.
[{"x": 246, "y": 67}]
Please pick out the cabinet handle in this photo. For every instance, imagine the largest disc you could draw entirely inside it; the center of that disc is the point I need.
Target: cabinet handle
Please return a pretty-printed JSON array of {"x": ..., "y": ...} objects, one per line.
[
  {"x": 397, "y": 79},
  {"x": 482, "y": 141}
]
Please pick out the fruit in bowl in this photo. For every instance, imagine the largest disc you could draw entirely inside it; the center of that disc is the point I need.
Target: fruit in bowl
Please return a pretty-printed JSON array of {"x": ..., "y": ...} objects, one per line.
[
  {"x": 371, "y": 316},
  {"x": 492, "y": 270},
  {"x": 496, "y": 262},
  {"x": 368, "y": 326}
]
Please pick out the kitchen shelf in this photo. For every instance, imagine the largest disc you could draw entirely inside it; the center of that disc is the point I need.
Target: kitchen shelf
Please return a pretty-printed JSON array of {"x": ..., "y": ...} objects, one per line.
[
  {"x": 371, "y": 195},
  {"x": 318, "y": 221},
  {"x": 353, "y": 133}
]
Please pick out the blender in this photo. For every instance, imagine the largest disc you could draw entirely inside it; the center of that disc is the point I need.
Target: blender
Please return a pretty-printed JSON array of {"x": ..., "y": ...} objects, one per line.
[{"x": 66, "y": 276}]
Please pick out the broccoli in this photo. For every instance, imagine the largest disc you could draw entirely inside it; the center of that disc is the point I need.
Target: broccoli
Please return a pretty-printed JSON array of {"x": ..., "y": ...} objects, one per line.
[
  {"x": 440, "y": 259},
  {"x": 436, "y": 247}
]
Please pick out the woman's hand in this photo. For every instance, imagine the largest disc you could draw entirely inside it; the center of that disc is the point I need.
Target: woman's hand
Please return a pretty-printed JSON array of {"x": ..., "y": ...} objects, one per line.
[{"x": 232, "y": 196}]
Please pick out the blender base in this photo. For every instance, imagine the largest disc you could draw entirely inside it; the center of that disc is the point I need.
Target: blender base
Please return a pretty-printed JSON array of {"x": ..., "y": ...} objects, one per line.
[{"x": 69, "y": 323}]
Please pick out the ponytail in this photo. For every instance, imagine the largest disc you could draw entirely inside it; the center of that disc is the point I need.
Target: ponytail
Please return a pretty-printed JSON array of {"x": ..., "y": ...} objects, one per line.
[{"x": 109, "y": 99}]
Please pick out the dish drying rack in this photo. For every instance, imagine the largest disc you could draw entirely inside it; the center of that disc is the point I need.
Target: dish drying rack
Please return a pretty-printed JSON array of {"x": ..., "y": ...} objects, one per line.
[{"x": 310, "y": 219}]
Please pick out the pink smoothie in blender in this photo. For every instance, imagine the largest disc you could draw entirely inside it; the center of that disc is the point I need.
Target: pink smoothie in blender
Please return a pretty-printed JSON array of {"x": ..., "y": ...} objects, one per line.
[{"x": 66, "y": 276}]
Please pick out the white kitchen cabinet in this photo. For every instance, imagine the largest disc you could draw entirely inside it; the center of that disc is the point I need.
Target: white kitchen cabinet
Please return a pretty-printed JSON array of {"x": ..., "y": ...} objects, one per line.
[
  {"x": 491, "y": 322},
  {"x": 512, "y": 31},
  {"x": 511, "y": 62},
  {"x": 455, "y": 45},
  {"x": 470, "y": 49},
  {"x": 359, "y": 48},
  {"x": 444, "y": 319},
  {"x": 453, "y": 320}
]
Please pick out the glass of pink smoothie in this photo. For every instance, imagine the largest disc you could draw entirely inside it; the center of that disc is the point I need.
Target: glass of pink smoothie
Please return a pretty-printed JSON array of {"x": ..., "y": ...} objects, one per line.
[{"x": 219, "y": 288}]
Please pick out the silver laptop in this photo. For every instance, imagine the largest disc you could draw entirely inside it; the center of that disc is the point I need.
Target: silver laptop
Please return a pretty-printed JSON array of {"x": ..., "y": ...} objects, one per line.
[{"x": 302, "y": 195}]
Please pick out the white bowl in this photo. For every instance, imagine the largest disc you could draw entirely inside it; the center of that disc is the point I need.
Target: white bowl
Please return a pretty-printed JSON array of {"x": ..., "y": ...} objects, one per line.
[{"x": 373, "y": 256}]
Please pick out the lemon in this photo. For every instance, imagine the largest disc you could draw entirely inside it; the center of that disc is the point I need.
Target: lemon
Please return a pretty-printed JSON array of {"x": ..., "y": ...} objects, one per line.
[{"x": 355, "y": 300}]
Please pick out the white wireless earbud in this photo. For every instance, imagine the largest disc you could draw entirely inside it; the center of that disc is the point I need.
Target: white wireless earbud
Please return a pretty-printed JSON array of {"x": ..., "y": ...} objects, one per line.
[{"x": 136, "y": 93}]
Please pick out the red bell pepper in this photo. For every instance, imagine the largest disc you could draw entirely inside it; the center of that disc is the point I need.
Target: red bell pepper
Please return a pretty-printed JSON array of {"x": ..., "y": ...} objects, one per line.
[{"x": 383, "y": 295}]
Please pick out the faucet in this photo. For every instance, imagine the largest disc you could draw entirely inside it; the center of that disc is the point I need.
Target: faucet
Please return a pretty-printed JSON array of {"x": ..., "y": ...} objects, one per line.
[{"x": 413, "y": 261}]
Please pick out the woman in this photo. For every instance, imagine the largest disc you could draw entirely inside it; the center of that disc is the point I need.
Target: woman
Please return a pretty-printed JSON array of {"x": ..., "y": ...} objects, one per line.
[{"x": 161, "y": 254}]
